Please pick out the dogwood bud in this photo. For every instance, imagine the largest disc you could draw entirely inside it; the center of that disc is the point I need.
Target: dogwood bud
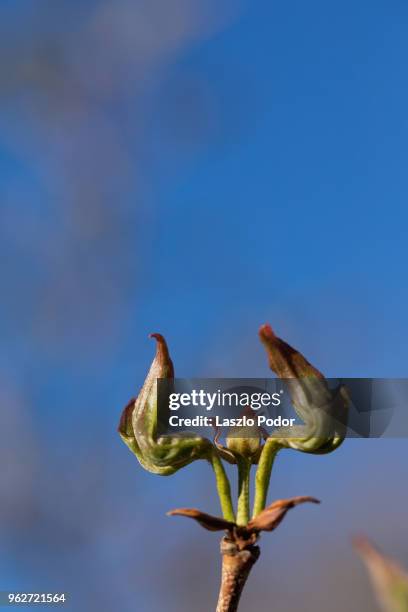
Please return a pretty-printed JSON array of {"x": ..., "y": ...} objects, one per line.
[
  {"x": 323, "y": 411},
  {"x": 138, "y": 426}
]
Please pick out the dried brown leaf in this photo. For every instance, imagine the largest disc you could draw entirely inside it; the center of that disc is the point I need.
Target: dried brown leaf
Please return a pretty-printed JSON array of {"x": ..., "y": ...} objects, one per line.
[
  {"x": 212, "y": 523},
  {"x": 269, "y": 519},
  {"x": 284, "y": 360}
]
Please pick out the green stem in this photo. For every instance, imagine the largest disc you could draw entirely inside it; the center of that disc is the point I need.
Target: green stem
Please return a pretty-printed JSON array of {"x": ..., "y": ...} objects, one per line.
[
  {"x": 263, "y": 475},
  {"x": 244, "y": 471},
  {"x": 223, "y": 487}
]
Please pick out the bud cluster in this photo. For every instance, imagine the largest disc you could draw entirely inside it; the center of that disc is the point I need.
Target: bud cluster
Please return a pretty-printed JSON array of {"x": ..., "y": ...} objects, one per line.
[{"x": 246, "y": 443}]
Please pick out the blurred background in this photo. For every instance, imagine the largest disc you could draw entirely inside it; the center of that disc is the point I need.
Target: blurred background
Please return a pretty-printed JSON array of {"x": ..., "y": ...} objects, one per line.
[{"x": 195, "y": 168}]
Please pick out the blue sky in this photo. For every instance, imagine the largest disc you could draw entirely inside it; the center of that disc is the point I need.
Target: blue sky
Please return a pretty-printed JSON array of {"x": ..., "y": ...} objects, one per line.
[{"x": 301, "y": 207}]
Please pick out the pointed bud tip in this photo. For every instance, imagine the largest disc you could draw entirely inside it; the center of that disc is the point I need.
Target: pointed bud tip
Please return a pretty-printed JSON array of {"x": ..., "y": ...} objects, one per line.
[
  {"x": 162, "y": 352},
  {"x": 362, "y": 544},
  {"x": 157, "y": 337},
  {"x": 266, "y": 332}
]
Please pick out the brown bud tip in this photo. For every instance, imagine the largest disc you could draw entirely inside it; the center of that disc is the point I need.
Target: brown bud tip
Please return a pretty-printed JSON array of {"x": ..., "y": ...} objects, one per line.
[
  {"x": 162, "y": 353},
  {"x": 158, "y": 337},
  {"x": 361, "y": 543},
  {"x": 266, "y": 332},
  {"x": 284, "y": 360}
]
